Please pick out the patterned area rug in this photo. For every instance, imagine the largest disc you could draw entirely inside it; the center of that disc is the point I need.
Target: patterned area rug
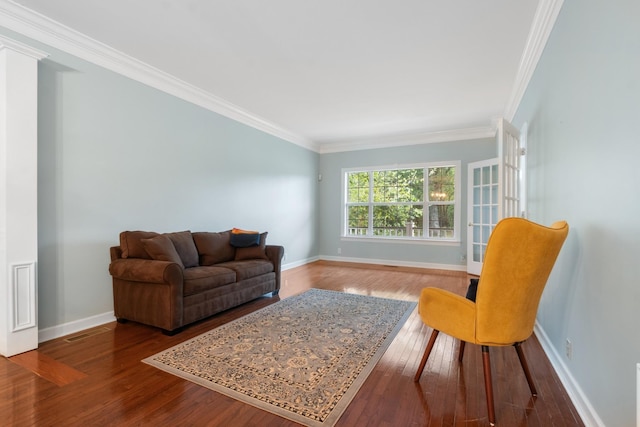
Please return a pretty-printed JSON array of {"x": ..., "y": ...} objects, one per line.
[{"x": 302, "y": 358}]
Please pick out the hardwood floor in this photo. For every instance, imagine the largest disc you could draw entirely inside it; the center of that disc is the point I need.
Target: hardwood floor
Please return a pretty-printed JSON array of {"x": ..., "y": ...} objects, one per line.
[{"x": 96, "y": 378}]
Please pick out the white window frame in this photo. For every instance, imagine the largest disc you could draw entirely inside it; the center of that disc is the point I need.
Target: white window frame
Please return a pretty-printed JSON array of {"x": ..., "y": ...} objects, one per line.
[{"x": 391, "y": 239}]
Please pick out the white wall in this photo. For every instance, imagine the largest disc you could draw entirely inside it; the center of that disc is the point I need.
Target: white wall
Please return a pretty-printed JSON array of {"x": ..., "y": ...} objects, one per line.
[{"x": 583, "y": 111}]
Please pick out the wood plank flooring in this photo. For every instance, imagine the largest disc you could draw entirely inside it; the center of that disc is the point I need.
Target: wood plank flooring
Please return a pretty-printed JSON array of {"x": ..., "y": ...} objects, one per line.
[{"x": 97, "y": 378}]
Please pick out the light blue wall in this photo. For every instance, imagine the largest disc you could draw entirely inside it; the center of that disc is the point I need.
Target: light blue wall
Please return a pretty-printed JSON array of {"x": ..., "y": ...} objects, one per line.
[
  {"x": 583, "y": 110},
  {"x": 117, "y": 155},
  {"x": 331, "y": 166}
]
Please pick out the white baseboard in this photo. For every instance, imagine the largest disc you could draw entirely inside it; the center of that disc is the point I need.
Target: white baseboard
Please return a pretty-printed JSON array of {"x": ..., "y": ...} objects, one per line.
[
  {"x": 586, "y": 411},
  {"x": 295, "y": 264},
  {"x": 451, "y": 267},
  {"x": 75, "y": 326}
]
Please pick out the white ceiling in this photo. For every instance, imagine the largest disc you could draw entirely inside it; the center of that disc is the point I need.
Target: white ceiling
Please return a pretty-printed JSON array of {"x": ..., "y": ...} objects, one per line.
[{"x": 326, "y": 72}]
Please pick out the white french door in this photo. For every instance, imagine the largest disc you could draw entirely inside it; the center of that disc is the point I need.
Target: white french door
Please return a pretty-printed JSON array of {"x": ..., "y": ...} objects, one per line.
[
  {"x": 483, "y": 213},
  {"x": 494, "y": 191},
  {"x": 510, "y": 154}
]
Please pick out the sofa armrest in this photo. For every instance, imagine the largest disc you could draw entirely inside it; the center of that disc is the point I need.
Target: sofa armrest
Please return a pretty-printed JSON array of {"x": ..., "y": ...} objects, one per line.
[
  {"x": 275, "y": 255},
  {"x": 115, "y": 252},
  {"x": 146, "y": 270},
  {"x": 148, "y": 291}
]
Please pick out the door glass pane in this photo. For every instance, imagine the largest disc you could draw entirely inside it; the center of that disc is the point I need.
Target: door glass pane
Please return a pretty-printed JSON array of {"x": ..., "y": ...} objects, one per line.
[
  {"x": 486, "y": 176},
  {"x": 494, "y": 214},
  {"x": 494, "y": 194},
  {"x": 494, "y": 174},
  {"x": 486, "y": 231},
  {"x": 477, "y": 253},
  {"x": 486, "y": 194},
  {"x": 485, "y": 215}
]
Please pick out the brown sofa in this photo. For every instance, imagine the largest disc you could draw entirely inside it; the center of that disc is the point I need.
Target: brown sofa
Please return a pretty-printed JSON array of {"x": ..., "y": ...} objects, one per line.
[{"x": 170, "y": 280}]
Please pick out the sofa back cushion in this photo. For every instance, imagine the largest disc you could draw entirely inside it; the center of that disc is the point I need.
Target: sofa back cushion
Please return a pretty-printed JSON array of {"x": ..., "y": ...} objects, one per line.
[
  {"x": 214, "y": 248},
  {"x": 131, "y": 245},
  {"x": 161, "y": 248},
  {"x": 253, "y": 252},
  {"x": 186, "y": 248}
]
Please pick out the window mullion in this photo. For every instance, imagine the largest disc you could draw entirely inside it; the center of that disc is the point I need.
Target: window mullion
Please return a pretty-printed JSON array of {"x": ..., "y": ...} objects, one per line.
[
  {"x": 427, "y": 202},
  {"x": 370, "y": 227}
]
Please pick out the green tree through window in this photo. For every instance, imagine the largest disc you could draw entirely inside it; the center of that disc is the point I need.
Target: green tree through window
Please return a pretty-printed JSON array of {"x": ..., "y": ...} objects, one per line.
[{"x": 399, "y": 202}]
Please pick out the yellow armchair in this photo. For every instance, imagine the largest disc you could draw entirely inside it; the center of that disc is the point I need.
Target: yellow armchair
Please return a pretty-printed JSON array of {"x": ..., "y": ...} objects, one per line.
[{"x": 518, "y": 260}]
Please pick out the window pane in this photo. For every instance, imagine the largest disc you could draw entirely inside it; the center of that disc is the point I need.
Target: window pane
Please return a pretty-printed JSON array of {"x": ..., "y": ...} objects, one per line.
[
  {"x": 402, "y": 185},
  {"x": 442, "y": 184},
  {"x": 395, "y": 221},
  {"x": 357, "y": 220},
  {"x": 411, "y": 185},
  {"x": 418, "y": 228},
  {"x": 441, "y": 221},
  {"x": 358, "y": 187}
]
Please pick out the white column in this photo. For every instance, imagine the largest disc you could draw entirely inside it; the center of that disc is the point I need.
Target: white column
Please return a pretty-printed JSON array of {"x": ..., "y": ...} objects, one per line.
[{"x": 18, "y": 196}]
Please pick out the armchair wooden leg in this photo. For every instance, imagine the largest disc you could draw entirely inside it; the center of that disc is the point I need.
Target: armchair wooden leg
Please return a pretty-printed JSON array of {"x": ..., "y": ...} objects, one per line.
[
  {"x": 461, "y": 353},
  {"x": 488, "y": 385},
  {"x": 525, "y": 368},
  {"x": 427, "y": 351}
]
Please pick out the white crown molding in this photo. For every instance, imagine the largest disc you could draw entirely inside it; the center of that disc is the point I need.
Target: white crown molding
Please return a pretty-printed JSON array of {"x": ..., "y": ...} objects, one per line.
[
  {"x": 543, "y": 22},
  {"x": 407, "y": 139},
  {"x": 6, "y": 43},
  {"x": 44, "y": 30}
]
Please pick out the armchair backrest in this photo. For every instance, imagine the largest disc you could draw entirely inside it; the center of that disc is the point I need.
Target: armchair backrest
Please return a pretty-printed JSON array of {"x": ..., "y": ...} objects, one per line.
[{"x": 519, "y": 257}]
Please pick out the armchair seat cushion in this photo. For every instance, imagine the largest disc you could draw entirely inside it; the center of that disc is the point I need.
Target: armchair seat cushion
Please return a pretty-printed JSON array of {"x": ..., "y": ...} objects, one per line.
[
  {"x": 199, "y": 279},
  {"x": 449, "y": 313}
]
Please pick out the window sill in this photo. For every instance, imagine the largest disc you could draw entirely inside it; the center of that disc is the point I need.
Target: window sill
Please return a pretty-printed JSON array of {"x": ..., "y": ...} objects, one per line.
[{"x": 402, "y": 240}]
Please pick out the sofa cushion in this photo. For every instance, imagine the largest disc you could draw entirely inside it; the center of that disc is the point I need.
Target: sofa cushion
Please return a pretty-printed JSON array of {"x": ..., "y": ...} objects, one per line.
[
  {"x": 131, "y": 245},
  {"x": 186, "y": 248},
  {"x": 248, "y": 268},
  {"x": 214, "y": 248},
  {"x": 200, "y": 279},
  {"x": 161, "y": 248},
  {"x": 253, "y": 252}
]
